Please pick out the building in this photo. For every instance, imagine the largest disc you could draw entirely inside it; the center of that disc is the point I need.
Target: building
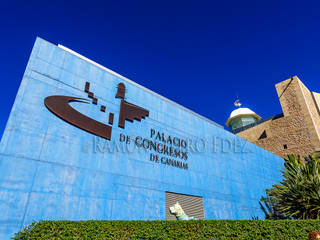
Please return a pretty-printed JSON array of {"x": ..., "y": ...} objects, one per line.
[
  {"x": 242, "y": 117},
  {"x": 83, "y": 142},
  {"x": 295, "y": 131}
]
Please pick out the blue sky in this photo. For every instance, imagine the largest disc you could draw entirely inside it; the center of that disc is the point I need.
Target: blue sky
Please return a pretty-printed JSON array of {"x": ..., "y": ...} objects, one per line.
[{"x": 200, "y": 54}]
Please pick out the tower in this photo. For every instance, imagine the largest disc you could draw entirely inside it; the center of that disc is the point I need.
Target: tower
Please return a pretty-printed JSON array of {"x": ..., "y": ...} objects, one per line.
[{"x": 241, "y": 117}]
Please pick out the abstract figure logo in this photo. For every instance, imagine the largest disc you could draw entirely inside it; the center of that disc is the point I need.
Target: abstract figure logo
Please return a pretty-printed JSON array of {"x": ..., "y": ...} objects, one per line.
[
  {"x": 129, "y": 111},
  {"x": 59, "y": 105}
]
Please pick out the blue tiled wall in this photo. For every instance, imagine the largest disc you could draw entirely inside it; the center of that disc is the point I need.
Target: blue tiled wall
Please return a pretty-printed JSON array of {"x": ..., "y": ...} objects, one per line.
[{"x": 51, "y": 170}]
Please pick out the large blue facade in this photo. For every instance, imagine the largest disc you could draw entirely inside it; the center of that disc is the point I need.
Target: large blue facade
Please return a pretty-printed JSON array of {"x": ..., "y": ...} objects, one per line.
[{"x": 52, "y": 170}]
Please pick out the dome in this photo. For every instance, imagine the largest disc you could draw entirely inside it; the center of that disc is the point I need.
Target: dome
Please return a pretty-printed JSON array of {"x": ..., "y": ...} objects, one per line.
[{"x": 242, "y": 112}]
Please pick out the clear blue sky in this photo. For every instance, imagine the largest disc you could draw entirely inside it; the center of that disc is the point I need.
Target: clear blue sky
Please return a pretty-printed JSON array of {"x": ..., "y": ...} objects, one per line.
[{"x": 200, "y": 54}]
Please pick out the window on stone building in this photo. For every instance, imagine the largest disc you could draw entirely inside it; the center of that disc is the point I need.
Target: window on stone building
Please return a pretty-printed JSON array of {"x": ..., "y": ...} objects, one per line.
[
  {"x": 285, "y": 146},
  {"x": 263, "y": 135}
]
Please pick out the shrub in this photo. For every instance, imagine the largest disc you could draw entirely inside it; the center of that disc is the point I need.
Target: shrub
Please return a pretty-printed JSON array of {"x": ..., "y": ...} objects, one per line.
[
  {"x": 298, "y": 194},
  {"x": 211, "y": 229}
]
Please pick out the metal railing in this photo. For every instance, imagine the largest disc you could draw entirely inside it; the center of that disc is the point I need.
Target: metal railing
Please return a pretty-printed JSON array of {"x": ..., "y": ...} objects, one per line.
[{"x": 240, "y": 129}]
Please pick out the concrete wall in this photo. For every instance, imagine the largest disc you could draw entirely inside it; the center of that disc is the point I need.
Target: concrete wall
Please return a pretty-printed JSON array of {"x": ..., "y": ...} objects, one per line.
[{"x": 52, "y": 170}]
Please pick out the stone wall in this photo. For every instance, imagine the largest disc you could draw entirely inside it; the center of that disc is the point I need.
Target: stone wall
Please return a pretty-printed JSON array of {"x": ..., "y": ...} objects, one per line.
[{"x": 297, "y": 132}]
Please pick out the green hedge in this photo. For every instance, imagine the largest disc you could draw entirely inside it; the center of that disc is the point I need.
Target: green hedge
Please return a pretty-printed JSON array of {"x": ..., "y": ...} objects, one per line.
[{"x": 225, "y": 229}]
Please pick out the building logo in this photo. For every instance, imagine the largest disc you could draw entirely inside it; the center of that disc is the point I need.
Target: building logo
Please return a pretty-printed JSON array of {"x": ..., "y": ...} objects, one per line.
[{"x": 59, "y": 105}]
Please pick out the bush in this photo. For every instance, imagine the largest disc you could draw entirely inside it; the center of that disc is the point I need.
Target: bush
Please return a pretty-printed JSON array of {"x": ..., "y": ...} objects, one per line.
[
  {"x": 211, "y": 229},
  {"x": 298, "y": 194}
]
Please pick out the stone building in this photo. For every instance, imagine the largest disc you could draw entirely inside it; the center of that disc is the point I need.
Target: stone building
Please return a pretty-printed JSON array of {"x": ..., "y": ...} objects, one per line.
[{"x": 295, "y": 131}]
